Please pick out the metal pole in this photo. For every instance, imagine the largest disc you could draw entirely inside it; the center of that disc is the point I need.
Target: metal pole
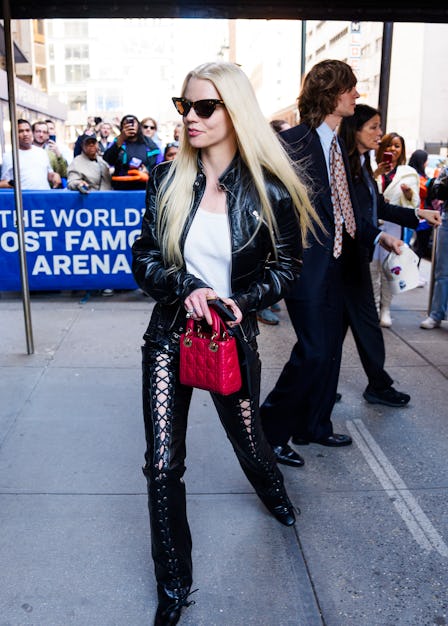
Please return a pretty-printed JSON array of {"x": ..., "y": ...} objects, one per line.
[
  {"x": 303, "y": 52},
  {"x": 386, "y": 53},
  {"x": 10, "y": 73}
]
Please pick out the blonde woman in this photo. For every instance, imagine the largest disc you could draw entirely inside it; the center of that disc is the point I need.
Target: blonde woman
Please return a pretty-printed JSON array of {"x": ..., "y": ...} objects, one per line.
[{"x": 227, "y": 218}]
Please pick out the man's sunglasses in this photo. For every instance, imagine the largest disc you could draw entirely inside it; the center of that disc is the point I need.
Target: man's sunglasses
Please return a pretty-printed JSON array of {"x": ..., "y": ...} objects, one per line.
[{"x": 203, "y": 108}]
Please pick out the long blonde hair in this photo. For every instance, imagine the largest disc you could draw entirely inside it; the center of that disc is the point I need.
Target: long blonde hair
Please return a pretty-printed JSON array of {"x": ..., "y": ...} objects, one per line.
[{"x": 259, "y": 148}]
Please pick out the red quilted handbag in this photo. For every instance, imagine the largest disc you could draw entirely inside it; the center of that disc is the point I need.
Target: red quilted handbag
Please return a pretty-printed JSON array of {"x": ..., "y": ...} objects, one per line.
[{"x": 209, "y": 358}]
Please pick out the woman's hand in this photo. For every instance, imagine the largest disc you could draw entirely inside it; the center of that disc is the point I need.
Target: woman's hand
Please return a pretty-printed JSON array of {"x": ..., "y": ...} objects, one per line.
[
  {"x": 432, "y": 217},
  {"x": 197, "y": 307},
  {"x": 407, "y": 192},
  {"x": 235, "y": 310},
  {"x": 196, "y": 303},
  {"x": 382, "y": 168}
]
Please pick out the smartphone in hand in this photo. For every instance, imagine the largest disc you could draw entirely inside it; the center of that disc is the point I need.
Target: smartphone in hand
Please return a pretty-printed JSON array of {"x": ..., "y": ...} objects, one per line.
[
  {"x": 222, "y": 309},
  {"x": 387, "y": 157}
]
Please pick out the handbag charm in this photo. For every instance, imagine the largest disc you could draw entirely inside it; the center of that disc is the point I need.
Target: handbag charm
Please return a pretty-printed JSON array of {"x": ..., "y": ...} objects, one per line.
[{"x": 209, "y": 358}]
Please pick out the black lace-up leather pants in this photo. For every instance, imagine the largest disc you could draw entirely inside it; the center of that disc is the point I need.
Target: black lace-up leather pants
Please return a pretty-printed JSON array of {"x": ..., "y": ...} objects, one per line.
[{"x": 165, "y": 406}]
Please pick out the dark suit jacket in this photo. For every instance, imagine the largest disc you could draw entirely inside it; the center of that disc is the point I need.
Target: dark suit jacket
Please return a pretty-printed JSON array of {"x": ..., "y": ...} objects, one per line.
[
  {"x": 385, "y": 211},
  {"x": 304, "y": 147}
]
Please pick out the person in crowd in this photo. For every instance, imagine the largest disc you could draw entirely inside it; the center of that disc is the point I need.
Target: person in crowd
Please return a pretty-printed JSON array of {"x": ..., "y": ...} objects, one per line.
[
  {"x": 55, "y": 144},
  {"x": 301, "y": 401},
  {"x": 226, "y": 218},
  {"x": 149, "y": 127},
  {"x": 92, "y": 128},
  {"x": 361, "y": 134},
  {"x": 105, "y": 137},
  {"x": 35, "y": 168},
  {"x": 41, "y": 140},
  {"x": 400, "y": 185},
  {"x": 419, "y": 160},
  {"x": 439, "y": 300},
  {"x": 88, "y": 171},
  {"x": 177, "y": 132},
  {"x": 131, "y": 150},
  {"x": 171, "y": 150}
]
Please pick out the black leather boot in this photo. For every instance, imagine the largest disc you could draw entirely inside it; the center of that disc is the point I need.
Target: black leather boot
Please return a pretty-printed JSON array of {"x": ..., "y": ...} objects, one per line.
[
  {"x": 281, "y": 508},
  {"x": 167, "y": 615},
  {"x": 169, "y": 609}
]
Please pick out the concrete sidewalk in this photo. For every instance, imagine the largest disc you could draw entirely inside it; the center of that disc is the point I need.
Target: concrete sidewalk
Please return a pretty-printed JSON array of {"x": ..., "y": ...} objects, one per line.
[{"x": 74, "y": 542}]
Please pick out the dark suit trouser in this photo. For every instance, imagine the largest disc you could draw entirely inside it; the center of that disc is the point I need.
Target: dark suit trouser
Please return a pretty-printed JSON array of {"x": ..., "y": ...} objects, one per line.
[
  {"x": 303, "y": 397},
  {"x": 361, "y": 316}
]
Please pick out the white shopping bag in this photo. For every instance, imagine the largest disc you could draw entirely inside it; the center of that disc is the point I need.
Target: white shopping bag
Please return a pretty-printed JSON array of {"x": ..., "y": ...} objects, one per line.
[{"x": 402, "y": 270}]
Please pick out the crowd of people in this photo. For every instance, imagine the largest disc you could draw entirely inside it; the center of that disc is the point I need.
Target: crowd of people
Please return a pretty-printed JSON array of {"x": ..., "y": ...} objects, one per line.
[{"x": 105, "y": 156}]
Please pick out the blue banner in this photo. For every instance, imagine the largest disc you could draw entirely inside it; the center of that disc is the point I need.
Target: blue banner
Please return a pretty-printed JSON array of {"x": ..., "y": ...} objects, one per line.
[{"x": 72, "y": 241}]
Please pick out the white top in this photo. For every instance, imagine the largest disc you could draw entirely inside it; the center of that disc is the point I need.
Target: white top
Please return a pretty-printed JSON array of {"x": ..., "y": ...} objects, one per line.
[
  {"x": 394, "y": 194},
  {"x": 208, "y": 251},
  {"x": 34, "y": 167}
]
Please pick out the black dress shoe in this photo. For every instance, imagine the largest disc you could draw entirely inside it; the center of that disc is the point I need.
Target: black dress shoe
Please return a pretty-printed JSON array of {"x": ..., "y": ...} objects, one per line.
[
  {"x": 285, "y": 455},
  {"x": 388, "y": 396},
  {"x": 282, "y": 511},
  {"x": 333, "y": 441}
]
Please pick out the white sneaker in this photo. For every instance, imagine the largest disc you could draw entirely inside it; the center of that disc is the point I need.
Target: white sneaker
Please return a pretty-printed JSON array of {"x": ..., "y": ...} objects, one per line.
[
  {"x": 422, "y": 282},
  {"x": 385, "y": 319},
  {"x": 429, "y": 323}
]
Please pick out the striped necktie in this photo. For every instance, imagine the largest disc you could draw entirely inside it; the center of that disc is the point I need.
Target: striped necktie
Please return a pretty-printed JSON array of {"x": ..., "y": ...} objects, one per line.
[{"x": 340, "y": 197}]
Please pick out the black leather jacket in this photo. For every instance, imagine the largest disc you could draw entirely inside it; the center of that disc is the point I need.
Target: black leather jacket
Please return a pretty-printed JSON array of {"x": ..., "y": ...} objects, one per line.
[{"x": 258, "y": 278}]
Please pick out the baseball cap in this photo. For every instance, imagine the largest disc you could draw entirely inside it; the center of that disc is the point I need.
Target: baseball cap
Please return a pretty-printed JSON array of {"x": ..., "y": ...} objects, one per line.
[
  {"x": 402, "y": 270},
  {"x": 86, "y": 137}
]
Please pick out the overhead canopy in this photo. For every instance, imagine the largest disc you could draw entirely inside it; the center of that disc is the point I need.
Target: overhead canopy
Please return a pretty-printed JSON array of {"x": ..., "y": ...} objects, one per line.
[
  {"x": 19, "y": 57},
  {"x": 351, "y": 10}
]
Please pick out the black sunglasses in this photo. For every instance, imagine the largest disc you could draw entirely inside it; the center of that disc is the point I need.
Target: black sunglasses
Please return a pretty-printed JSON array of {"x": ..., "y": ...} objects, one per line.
[
  {"x": 203, "y": 108},
  {"x": 151, "y": 127}
]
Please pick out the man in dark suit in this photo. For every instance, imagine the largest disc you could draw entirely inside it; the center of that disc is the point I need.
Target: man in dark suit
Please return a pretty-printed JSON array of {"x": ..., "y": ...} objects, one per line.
[{"x": 301, "y": 402}]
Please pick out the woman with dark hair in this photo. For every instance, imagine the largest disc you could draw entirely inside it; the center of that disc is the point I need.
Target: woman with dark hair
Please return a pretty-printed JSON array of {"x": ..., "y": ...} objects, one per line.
[
  {"x": 418, "y": 160},
  {"x": 171, "y": 150},
  {"x": 400, "y": 185},
  {"x": 131, "y": 153},
  {"x": 361, "y": 134},
  {"x": 226, "y": 218}
]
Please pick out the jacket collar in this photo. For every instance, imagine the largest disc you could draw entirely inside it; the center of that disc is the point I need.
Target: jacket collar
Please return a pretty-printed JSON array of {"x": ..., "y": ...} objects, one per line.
[{"x": 229, "y": 175}]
